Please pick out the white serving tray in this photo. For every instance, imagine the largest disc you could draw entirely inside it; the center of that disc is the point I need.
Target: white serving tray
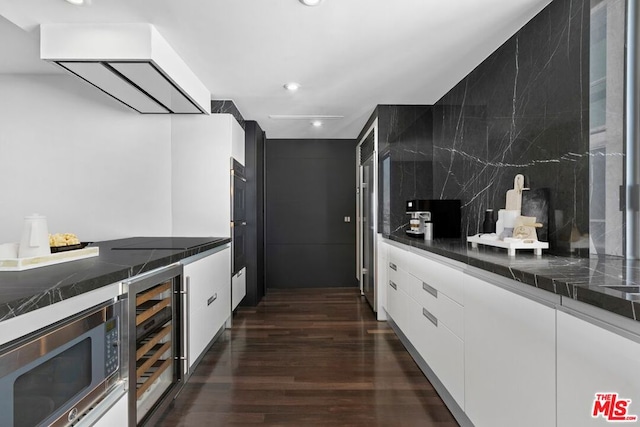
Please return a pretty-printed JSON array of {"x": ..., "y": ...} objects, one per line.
[
  {"x": 510, "y": 246},
  {"x": 21, "y": 264}
]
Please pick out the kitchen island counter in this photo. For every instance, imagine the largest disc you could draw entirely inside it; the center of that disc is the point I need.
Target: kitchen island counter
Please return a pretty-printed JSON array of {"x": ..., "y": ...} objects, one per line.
[
  {"x": 610, "y": 283},
  {"x": 25, "y": 291}
]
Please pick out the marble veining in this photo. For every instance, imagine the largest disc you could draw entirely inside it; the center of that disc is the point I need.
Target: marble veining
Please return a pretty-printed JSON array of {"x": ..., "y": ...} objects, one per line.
[
  {"x": 523, "y": 110},
  {"x": 22, "y": 292},
  {"x": 226, "y": 106}
]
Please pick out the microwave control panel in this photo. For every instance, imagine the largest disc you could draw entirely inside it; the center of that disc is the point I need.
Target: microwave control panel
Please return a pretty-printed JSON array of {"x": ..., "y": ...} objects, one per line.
[{"x": 111, "y": 346}]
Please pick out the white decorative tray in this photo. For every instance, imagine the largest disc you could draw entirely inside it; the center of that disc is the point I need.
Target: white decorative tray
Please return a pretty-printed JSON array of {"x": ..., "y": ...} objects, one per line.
[
  {"x": 510, "y": 246},
  {"x": 20, "y": 264}
]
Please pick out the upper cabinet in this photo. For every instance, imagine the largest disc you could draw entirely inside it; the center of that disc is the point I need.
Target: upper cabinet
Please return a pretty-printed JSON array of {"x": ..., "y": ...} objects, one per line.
[
  {"x": 201, "y": 149},
  {"x": 237, "y": 142}
]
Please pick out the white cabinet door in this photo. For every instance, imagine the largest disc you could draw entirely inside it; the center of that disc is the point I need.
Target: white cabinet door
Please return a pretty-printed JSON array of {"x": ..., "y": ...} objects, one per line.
[
  {"x": 441, "y": 349},
  {"x": 117, "y": 415},
  {"x": 237, "y": 140},
  {"x": 209, "y": 299},
  {"x": 238, "y": 288},
  {"x": 594, "y": 360},
  {"x": 510, "y": 358},
  {"x": 382, "y": 279},
  {"x": 201, "y": 149}
]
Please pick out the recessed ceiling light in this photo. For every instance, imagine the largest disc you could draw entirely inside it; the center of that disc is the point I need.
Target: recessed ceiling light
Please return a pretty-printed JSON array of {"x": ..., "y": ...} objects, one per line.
[
  {"x": 310, "y": 2},
  {"x": 76, "y": 2},
  {"x": 292, "y": 86},
  {"x": 316, "y": 123}
]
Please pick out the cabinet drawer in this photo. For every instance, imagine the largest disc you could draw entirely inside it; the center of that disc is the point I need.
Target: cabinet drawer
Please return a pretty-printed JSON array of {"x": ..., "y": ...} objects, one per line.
[
  {"x": 441, "y": 349},
  {"x": 446, "y": 310},
  {"x": 238, "y": 288},
  {"x": 205, "y": 276},
  {"x": 400, "y": 277},
  {"x": 204, "y": 323},
  {"x": 445, "y": 279},
  {"x": 399, "y": 304}
]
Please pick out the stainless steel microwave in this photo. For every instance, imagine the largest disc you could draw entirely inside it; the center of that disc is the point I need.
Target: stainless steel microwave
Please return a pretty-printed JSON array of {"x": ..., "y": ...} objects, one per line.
[{"x": 54, "y": 376}]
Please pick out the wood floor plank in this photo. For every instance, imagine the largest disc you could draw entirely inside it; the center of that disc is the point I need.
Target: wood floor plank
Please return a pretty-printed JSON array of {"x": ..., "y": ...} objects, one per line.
[{"x": 308, "y": 357}]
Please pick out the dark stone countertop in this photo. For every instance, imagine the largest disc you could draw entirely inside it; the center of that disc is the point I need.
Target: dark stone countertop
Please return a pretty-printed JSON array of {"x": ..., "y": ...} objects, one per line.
[
  {"x": 25, "y": 291},
  {"x": 610, "y": 283}
]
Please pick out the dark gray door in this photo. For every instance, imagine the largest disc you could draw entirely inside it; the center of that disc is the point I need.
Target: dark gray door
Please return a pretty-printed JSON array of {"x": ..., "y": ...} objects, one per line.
[{"x": 309, "y": 192}]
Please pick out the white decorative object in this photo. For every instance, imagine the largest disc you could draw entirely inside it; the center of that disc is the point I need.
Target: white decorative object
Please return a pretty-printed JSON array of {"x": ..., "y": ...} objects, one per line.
[
  {"x": 21, "y": 264},
  {"x": 510, "y": 244},
  {"x": 506, "y": 221},
  {"x": 35, "y": 237}
]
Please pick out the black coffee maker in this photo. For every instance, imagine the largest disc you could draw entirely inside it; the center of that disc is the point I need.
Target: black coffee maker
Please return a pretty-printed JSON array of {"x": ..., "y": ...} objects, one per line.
[{"x": 444, "y": 217}]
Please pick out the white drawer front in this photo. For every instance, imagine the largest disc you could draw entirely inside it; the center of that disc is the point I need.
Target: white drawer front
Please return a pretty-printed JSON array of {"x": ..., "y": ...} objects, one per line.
[
  {"x": 442, "y": 350},
  {"x": 238, "y": 288},
  {"x": 445, "y": 279},
  {"x": 400, "y": 278},
  {"x": 449, "y": 312},
  {"x": 399, "y": 309}
]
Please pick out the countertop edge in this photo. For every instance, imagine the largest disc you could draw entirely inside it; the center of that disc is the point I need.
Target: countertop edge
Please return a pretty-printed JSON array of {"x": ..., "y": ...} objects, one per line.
[
  {"x": 568, "y": 289},
  {"x": 57, "y": 293}
]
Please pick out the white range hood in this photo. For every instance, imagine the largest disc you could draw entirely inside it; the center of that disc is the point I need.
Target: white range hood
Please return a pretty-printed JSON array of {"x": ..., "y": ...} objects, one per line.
[{"x": 132, "y": 63}]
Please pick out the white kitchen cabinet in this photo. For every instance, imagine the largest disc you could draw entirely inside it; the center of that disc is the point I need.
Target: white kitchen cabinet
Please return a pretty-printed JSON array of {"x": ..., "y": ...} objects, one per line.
[
  {"x": 208, "y": 288},
  {"x": 238, "y": 287},
  {"x": 441, "y": 349},
  {"x": 237, "y": 141},
  {"x": 382, "y": 278},
  {"x": 201, "y": 151},
  {"x": 509, "y": 357},
  {"x": 117, "y": 415},
  {"x": 432, "y": 321},
  {"x": 592, "y": 359},
  {"x": 402, "y": 309}
]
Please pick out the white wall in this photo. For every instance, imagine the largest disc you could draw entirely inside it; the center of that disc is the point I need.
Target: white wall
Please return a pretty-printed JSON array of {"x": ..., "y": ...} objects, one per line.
[{"x": 92, "y": 166}]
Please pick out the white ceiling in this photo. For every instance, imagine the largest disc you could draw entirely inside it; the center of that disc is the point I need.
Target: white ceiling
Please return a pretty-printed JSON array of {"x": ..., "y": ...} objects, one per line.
[{"x": 348, "y": 55}]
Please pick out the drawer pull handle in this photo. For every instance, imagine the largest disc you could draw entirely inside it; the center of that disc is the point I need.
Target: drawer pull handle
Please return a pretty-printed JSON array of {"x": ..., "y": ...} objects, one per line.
[
  {"x": 393, "y": 285},
  {"x": 433, "y": 319},
  {"x": 393, "y": 266},
  {"x": 433, "y": 291},
  {"x": 212, "y": 299}
]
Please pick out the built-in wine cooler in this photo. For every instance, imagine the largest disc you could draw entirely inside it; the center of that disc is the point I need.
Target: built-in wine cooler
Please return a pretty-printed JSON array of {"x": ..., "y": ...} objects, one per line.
[{"x": 156, "y": 350}]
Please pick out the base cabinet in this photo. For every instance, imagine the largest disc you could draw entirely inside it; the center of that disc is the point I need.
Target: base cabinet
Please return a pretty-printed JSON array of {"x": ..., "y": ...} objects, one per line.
[
  {"x": 418, "y": 305},
  {"x": 117, "y": 415},
  {"x": 238, "y": 288},
  {"x": 382, "y": 279},
  {"x": 594, "y": 360},
  {"x": 509, "y": 358},
  {"x": 208, "y": 289}
]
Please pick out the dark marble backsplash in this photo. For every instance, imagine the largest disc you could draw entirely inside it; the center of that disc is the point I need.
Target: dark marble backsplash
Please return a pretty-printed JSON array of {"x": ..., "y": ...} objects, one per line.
[
  {"x": 222, "y": 106},
  {"x": 524, "y": 110}
]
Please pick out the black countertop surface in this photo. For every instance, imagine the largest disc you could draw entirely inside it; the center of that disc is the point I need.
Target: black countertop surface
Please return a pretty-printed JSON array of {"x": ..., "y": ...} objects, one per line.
[
  {"x": 610, "y": 283},
  {"x": 24, "y": 291}
]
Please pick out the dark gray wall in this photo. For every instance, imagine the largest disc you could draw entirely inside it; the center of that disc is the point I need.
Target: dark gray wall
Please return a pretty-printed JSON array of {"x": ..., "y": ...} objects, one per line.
[
  {"x": 254, "y": 198},
  {"x": 310, "y": 188}
]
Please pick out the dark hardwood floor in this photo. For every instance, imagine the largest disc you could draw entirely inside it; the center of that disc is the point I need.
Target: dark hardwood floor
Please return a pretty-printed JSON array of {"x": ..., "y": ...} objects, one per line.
[{"x": 308, "y": 357}]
